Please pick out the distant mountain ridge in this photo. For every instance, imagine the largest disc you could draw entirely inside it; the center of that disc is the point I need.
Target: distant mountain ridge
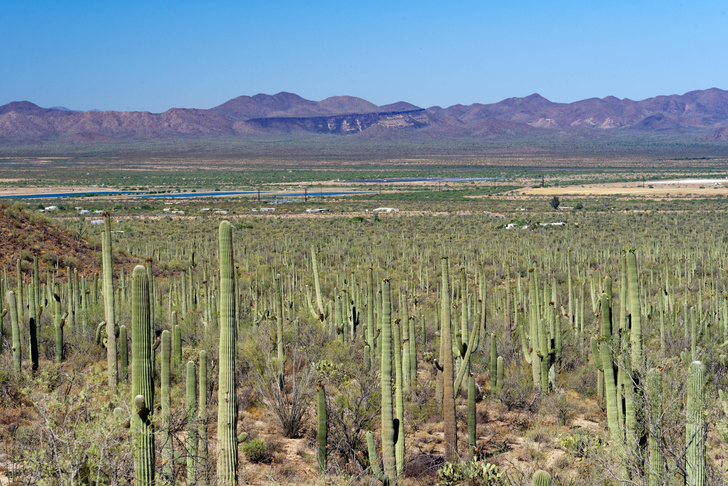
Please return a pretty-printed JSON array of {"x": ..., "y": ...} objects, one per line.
[{"x": 703, "y": 113}]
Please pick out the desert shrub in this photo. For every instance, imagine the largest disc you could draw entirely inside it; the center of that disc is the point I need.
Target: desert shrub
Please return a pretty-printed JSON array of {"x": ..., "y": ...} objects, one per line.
[
  {"x": 581, "y": 442},
  {"x": 256, "y": 451},
  {"x": 287, "y": 396},
  {"x": 424, "y": 467},
  {"x": 471, "y": 473},
  {"x": 560, "y": 406},
  {"x": 517, "y": 392},
  {"x": 352, "y": 408}
]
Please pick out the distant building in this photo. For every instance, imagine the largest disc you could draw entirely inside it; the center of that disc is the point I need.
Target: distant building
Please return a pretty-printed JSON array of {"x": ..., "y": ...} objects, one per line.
[
  {"x": 51, "y": 208},
  {"x": 318, "y": 210},
  {"x": 385, "y": 210}
]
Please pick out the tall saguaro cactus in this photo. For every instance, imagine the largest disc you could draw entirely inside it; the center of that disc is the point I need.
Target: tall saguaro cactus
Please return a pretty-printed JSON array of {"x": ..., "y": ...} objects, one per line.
[
  {"x": 142, "y": 388},
  {"x": 165, "y": 384},
  {"x": 388, "y": 426},
  {"x": 58, "y": 321},
  {"x": 634, "y": 420},
  {"x": 191, "y": 390},
  {"x": 322, "y": 433},
  {"x": 109, "y": 304},
  {"x": 202, "y": 426},
  {"x": 695, "y": 426},
  {"x": 15, "y": 330},
  {"x": 227, "y": 412},
  {"x": 448, "y": 385}
]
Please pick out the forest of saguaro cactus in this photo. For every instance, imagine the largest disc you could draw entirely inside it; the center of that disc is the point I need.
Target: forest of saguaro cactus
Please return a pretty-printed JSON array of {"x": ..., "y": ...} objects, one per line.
[{"x": 408, "y": 349}]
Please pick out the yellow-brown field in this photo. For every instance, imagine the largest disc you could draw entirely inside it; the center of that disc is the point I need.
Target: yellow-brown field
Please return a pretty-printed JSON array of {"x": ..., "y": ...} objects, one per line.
[{"x": 688, "y": 188}]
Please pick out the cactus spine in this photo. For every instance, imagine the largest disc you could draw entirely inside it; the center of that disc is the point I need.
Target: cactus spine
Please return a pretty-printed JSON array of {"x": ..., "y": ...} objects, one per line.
[
  {"x": 142, "y": 375},
  {"x": 109, "y": 304},
  {"x": 322, "y": 434},
  {"x": 695, "y": 426},
  {"x": 227, "y": 413}
]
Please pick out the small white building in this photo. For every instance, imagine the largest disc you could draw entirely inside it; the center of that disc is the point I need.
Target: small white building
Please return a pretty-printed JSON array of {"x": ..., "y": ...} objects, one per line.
[
  {"x": 97, "y": 221},
  {"x": 385, "y": 210},
  {"x": 51, "y": 208},
  {"x": 84, "y": 211},
  {"x": 318, "y": 210}
]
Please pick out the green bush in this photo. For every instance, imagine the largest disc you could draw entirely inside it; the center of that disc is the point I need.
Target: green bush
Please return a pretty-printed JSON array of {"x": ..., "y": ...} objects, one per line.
[
  {"x": 472, "y": 473},
  {"x": 256, "y": 450}
]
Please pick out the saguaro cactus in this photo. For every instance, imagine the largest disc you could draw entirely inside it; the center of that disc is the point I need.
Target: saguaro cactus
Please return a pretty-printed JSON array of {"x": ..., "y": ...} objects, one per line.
[
  {"x": 227, "y": 412},
  {"x": 58, "y": 321},
  {"x": 695, "y": 426},
  {"x": 634, "y": 420},
  {"x": 202, "y": 426},
  {"x": 167, "y": 447},
  {"x": 322, "y": 434},
  {"x": 388, "y": 426},
  {"x": 657, "y": 459},
  {"x": 109, "y": 304},
  {"x": 15, "y": 330},
  {"x": 191, "y": 389},
  {"x": 123, "y": 354},
  {"x": 142, "y": 371},
  {"x": 448, "y": 385},
  {"x": 472, "y": 424},
  {"x": 33, "y": 328}
]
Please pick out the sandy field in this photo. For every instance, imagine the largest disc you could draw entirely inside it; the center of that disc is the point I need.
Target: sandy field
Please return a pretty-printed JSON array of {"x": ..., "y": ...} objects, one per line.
[
  {"x": 11, "y": 191},
  {"x": 652, "y": 189}
]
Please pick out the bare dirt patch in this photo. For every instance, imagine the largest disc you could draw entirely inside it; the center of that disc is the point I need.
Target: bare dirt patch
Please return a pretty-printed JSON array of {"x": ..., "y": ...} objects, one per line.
[{"x": 687, "y": 188}]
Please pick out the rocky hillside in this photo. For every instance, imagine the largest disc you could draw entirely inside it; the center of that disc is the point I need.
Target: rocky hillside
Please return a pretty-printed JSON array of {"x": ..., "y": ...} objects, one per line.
[
  {"x": 702, "y": 113},
  {"x": 24, "y": 235}
]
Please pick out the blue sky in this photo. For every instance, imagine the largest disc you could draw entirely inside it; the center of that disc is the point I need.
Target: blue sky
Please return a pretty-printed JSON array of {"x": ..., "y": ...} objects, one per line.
[{"x": 131, "y": 55}]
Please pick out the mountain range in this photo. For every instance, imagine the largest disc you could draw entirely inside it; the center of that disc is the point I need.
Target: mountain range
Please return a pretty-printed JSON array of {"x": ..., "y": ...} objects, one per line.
[{"x": 702, "y": 114}]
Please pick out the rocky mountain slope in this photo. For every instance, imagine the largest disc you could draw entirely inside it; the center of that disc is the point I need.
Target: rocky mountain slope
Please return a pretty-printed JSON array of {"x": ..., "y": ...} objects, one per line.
[{"x": 703, "y": 113}]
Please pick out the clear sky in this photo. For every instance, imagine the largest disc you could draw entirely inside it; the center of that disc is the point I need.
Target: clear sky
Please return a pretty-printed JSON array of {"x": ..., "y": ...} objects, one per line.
[{"x": 155, "y": 55}]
